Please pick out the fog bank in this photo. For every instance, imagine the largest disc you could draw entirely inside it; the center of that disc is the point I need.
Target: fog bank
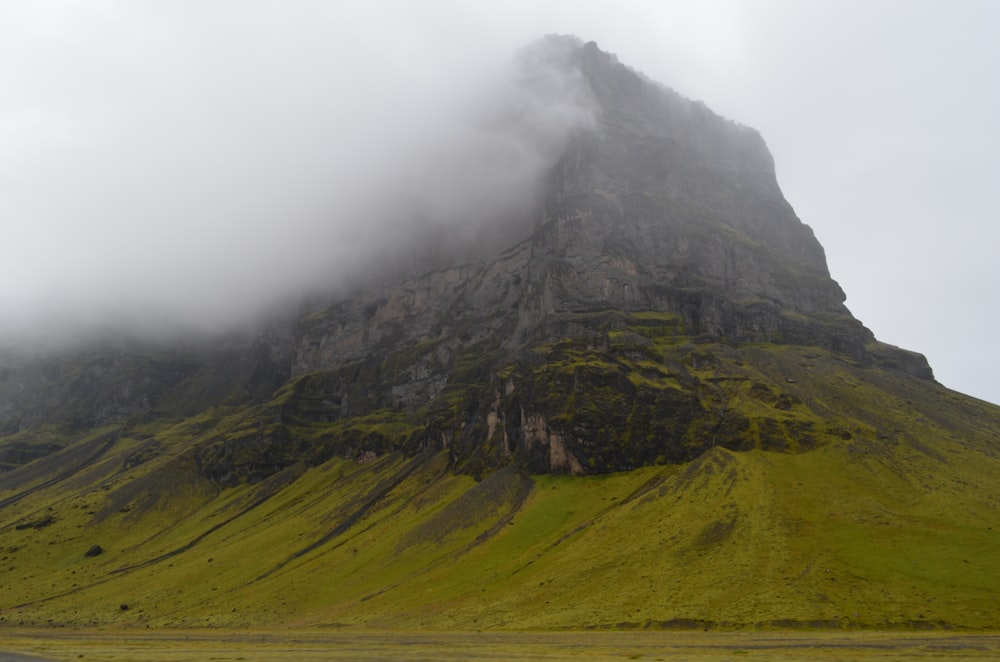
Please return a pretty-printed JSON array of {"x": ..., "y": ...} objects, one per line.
[
  {"x": 172, "y": 167},
  {"x": 187, "y": 160}
]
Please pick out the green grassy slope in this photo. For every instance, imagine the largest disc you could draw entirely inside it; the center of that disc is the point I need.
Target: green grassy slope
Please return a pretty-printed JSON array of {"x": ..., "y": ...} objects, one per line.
[{"x": 868, "y": 510}]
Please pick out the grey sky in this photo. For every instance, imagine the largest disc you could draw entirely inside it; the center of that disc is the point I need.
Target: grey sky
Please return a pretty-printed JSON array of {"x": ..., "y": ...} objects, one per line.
[{"x": 188, "y": 160}]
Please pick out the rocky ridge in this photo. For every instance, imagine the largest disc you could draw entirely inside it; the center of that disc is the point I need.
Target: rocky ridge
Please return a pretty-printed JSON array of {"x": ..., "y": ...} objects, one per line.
[{"x": 578, "y": 349}]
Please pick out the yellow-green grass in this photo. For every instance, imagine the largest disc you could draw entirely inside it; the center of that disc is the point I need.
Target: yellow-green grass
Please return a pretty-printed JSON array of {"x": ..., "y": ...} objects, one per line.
[
  {"x": 884, "y": 513},
  {"x": 816, "y": 539}
]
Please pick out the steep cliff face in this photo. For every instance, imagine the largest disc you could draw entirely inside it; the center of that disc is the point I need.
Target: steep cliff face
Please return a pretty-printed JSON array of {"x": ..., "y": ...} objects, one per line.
[
  {"x": 650, "y": 140},
  {"x": 590, "y": 340},
  {"x": 663, "y": 227},
  {"x": 661, "y": 205}
]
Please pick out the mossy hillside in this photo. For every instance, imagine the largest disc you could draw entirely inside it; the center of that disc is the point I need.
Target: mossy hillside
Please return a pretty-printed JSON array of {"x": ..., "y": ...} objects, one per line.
[
  {"x": 49, "y": 402},
  {"x": 879, "y": 534},
  {"x": 714, "y": 542},
  {"x": 634, "y": 390},
  {"x": 629, "y": 389},
  {"x": 21, "y": 447},
  {"x": 625, "y": 389},
  {"x": 816, "y": 498}
]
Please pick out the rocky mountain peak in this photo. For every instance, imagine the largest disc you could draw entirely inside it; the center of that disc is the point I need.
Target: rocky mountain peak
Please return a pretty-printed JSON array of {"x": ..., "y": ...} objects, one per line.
[
  {"x": 657, "y": 210},
  {"x": 686, "y": 196},
  {"x": 589, "y": 338}
]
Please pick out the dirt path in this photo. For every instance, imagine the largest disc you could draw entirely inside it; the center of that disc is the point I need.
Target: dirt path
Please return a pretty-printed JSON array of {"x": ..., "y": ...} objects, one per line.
[{"x": 315, "y": 645}]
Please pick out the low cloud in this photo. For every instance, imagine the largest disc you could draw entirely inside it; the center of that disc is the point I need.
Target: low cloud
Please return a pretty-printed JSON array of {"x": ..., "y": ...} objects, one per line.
[
  {"x": 186, "y": 167},
  {"x": 184, "y": 161}
]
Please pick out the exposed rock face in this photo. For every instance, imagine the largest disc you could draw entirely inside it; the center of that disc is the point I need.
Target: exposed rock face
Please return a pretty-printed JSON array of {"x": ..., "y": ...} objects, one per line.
[
  {"x": 50, "y": 400},
  {"x": 662, "y": 207},
  {"x": 599, "y": 342},
  {"x": 86, "y": 390}
]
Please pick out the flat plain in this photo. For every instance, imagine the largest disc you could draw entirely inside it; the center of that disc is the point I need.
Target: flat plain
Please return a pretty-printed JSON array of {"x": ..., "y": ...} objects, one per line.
[{"x": 281, "y": 645}]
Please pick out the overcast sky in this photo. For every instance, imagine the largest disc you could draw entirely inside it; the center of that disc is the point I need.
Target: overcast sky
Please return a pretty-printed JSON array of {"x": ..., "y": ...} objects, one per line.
[{"x": 188, "y": 160}]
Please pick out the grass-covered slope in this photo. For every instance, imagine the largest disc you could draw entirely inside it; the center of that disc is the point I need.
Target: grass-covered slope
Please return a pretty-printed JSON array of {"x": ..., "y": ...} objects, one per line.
[{"x": 844, "y": 505}]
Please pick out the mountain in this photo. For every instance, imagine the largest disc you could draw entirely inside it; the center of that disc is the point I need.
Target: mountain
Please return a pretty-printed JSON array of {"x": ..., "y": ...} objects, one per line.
[{"x": 648, "y": 407}]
